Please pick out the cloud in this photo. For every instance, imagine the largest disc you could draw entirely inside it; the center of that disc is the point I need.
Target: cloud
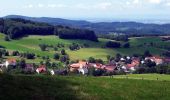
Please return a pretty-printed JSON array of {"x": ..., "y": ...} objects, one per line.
[
  {"x": 51, "y": 5},
  {"x": 136, "y": 2},
  {"x": 167, "y": 4},
  {"x": 103, "y": 5},
  {"x": 40, "y": 5},
  {"x": 155, "y": 1},
  {"x": 29, "y": 6},
  {"x": 45, "y": 6}
]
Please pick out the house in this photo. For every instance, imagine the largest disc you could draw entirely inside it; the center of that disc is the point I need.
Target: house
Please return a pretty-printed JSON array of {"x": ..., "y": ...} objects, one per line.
[
  {"x": 83, "y": 71},
  {"x": 76, "y": 66},
  {"x": 109, "y": 68},
  {"x": 10, "y": 62},
  {"x": 96, "y": 65},
  {"x": 130, "y": 67},
  {"x": 29, "y": 68},
  {"x": 41, "y": 69},
  {"x": 134, "y": 64},
  {"x": 158, "y": 60}
]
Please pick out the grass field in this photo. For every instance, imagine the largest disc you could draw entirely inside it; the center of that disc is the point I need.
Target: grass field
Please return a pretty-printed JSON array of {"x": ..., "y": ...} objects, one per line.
[
  {"x": 160, "y": 77},
  {"x": 21, "y": 87},
  {"x": 31, "y": 43}
]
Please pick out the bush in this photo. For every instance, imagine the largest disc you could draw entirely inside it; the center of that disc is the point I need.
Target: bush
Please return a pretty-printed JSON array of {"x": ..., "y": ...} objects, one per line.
[
  {"x": 15, "y": 53},
  {"x": 111, "y": 44},
  {"x": 63, "y": 52},
  {"x": 43, "y": 47},
  {"x": 56, "y": 56},
  {"x": 91, "y": 60},
  {"x": 126, "y": 45},
  {"x": 6, "y": 38}
]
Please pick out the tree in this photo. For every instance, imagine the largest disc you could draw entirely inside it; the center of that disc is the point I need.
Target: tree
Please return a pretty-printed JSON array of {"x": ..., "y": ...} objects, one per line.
[
  {"x": 99, "y": 61},
  {"x": 55, "y": 49},
  {"x": 6, "y": 38},
  {"x": 22, "y": 63},
  {"x": 15, "y": 53},
  {"x": 126, "y": 45},
  {"x": 56, "y": 56},
  {"x": 111, "y": 44},
  {"x": 108, "y": 57},
  {"x": 147, "y": 53},
  {"x": 64, "y": 58},
  {"x": 1, "y": 54},
  {"x": 43, "y": 47},
  {"x": 91, "y": 60},
  {"x": 54, "y": 65},
  {"x": 30, "y": 55},
  {"x": 47, "y": 63},
  {"x": 63, "y": 52}
]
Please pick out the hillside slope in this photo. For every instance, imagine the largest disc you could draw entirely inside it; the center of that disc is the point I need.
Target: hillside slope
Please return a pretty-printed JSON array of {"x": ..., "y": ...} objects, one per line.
[
  {"x": 21, "y": 87},
  {"x": 31, "y": 44}
]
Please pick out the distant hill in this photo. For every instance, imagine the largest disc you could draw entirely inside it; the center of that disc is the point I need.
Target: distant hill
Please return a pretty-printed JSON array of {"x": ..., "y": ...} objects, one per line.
[{"x": 104, "y": 27}]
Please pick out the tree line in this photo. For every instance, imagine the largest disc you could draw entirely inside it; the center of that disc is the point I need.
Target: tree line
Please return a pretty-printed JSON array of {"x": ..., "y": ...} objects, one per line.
[{"x": 16, "y": 28}]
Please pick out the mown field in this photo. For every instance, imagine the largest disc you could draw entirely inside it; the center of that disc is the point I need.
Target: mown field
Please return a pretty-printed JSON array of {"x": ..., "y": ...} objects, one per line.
[
  {"x": 39, "y": 87},
  {"x": 160, "y": 77},
  {"x": 31, "y": 43}
]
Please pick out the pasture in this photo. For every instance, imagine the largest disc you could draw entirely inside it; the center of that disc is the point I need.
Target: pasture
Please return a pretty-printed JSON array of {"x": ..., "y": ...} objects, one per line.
[
  {"x": 40, "y": 87},
  {"x": 31, "y": 44}
]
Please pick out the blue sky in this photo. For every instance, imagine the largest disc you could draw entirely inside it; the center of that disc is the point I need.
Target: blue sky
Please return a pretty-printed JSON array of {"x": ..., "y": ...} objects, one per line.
[{"x": 88, "y": 9}]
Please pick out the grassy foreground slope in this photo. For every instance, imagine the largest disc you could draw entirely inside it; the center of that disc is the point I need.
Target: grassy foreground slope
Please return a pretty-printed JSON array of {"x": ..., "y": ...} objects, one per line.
[
  {"x": 31, "y": 43},
  {"x": 81, "y": 88}
]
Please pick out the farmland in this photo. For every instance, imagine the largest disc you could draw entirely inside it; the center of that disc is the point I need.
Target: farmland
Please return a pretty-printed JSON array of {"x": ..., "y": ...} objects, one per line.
[{"x": 31, "y": 44}]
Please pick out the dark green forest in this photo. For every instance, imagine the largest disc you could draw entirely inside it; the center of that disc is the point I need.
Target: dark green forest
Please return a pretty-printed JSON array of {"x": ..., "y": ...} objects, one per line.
[{"x": 16, "y": 28}]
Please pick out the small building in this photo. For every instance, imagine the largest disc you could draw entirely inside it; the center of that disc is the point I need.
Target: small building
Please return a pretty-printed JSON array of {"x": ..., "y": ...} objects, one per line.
[
  {"x": 10, "y": 62},
  {"x": 83, "y": 71},
  {"x": 41, "y": 69},
  {"x": 158, "y": 60},
  {"x": 109, "y": 68},
  {"x": 76, "y": 66},
  {"x": 134, "y": 64}
]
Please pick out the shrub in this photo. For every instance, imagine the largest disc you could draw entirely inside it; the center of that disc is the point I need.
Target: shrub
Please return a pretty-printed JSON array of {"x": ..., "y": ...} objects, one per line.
[
  {"x": 111, "y": 44},
  {"x": 56, "y": 56}
]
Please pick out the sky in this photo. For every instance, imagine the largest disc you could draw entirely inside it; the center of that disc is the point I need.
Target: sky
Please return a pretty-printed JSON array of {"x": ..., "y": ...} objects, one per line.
[{"x": 88, "y": 9}]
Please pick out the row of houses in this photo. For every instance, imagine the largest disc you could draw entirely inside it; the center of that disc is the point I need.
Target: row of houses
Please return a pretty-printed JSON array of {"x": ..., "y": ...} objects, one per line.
[
  {"x": 83, "y": 67},
  {"x": 30, "y": 68}
]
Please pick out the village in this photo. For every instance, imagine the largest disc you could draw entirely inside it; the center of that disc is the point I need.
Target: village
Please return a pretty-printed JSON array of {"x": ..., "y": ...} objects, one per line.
[{"x": 123, "y": 65}]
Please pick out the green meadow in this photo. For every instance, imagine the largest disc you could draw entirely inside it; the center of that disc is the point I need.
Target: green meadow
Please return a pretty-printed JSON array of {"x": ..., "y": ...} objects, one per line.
[
  {"x": 40, "y": 87},
  {"x": 31, "y": 44}
]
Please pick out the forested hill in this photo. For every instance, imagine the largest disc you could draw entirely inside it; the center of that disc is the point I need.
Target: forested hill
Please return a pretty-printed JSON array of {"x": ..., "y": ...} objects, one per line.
[
  {"x": 16, "y": 28},
  {"x": 105, "y": 27}
]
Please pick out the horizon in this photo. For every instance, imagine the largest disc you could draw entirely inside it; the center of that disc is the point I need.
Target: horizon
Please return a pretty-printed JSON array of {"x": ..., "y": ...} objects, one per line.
[
  {"x": 96, "y": 10},
  {"x": 98, "y": 20}
]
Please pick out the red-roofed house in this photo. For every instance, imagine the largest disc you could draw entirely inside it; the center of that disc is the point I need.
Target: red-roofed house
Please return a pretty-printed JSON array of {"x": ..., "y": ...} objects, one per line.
[
  {"x": 158, "y": 60},
  {"x": 76, "y": 66},
  {"x": 109, "y": 68},
  {"x": 134, "y": 64},
  {"x": 11, "y": 62},
  {"x": 41, "y": 69}
]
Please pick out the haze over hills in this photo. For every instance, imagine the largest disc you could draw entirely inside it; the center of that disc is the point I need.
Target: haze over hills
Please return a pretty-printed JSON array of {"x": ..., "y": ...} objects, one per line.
[{"x": 104, "y": 27}]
